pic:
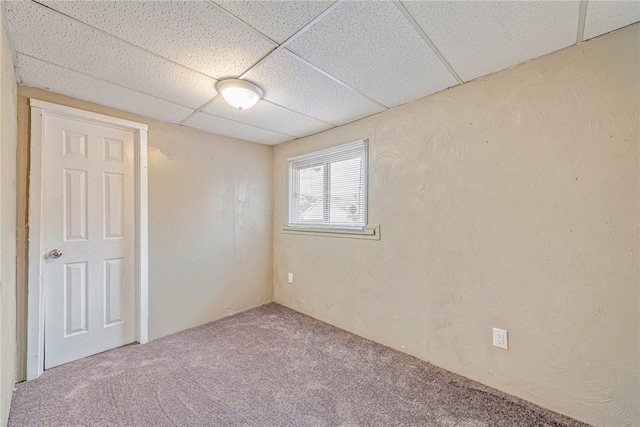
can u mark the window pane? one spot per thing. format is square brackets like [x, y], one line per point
[328, 188]
[311, 193]
[346, 184]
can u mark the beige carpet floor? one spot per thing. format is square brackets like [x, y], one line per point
[268, 366]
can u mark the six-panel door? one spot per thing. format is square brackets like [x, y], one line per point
[90, 219]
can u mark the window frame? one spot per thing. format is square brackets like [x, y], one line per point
[341, 229]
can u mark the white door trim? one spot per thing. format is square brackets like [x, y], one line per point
[35, 301]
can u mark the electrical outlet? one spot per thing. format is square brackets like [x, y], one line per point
[500, 338]
[290, 279]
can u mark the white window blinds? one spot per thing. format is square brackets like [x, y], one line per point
[328, 188]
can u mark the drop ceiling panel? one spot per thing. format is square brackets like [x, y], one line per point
[605, 16]
[289, 82]
[160, 59]
[267, 115]
[221, 126]
[373, 48]
[276, 19]
[193, 33]
[479, 38]
[42, 33]
[44, 75]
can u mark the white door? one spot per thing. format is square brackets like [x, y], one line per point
[89, 239]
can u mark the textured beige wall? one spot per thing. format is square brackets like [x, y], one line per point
[209, 227]
[8, 139]
[511, 201]
[209, 222]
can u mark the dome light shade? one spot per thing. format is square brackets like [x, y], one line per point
[240, 94]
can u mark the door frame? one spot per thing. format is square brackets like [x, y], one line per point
[36, 252]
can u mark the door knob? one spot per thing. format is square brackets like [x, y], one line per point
[55, 253]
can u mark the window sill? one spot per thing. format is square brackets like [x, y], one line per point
[371, 232]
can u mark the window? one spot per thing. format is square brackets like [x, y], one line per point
[328, 188]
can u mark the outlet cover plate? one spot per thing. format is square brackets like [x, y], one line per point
[290, 278]
[500, 338]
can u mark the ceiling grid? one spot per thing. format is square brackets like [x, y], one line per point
[71, 18]
[321, 64]
[268, 55]
[427, 40]
[285, 43]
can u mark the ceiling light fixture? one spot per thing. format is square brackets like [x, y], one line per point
[240, 94]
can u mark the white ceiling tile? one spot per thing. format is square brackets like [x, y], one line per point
[605, 16]
[221, 126]
[278, 20]
[193, 33]
[478, 38]
[44, 75]
[159, 58]
[269, 116]
[47, 35]
[373, 48]
[289, 82]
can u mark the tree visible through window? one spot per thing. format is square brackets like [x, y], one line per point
[328, 188]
